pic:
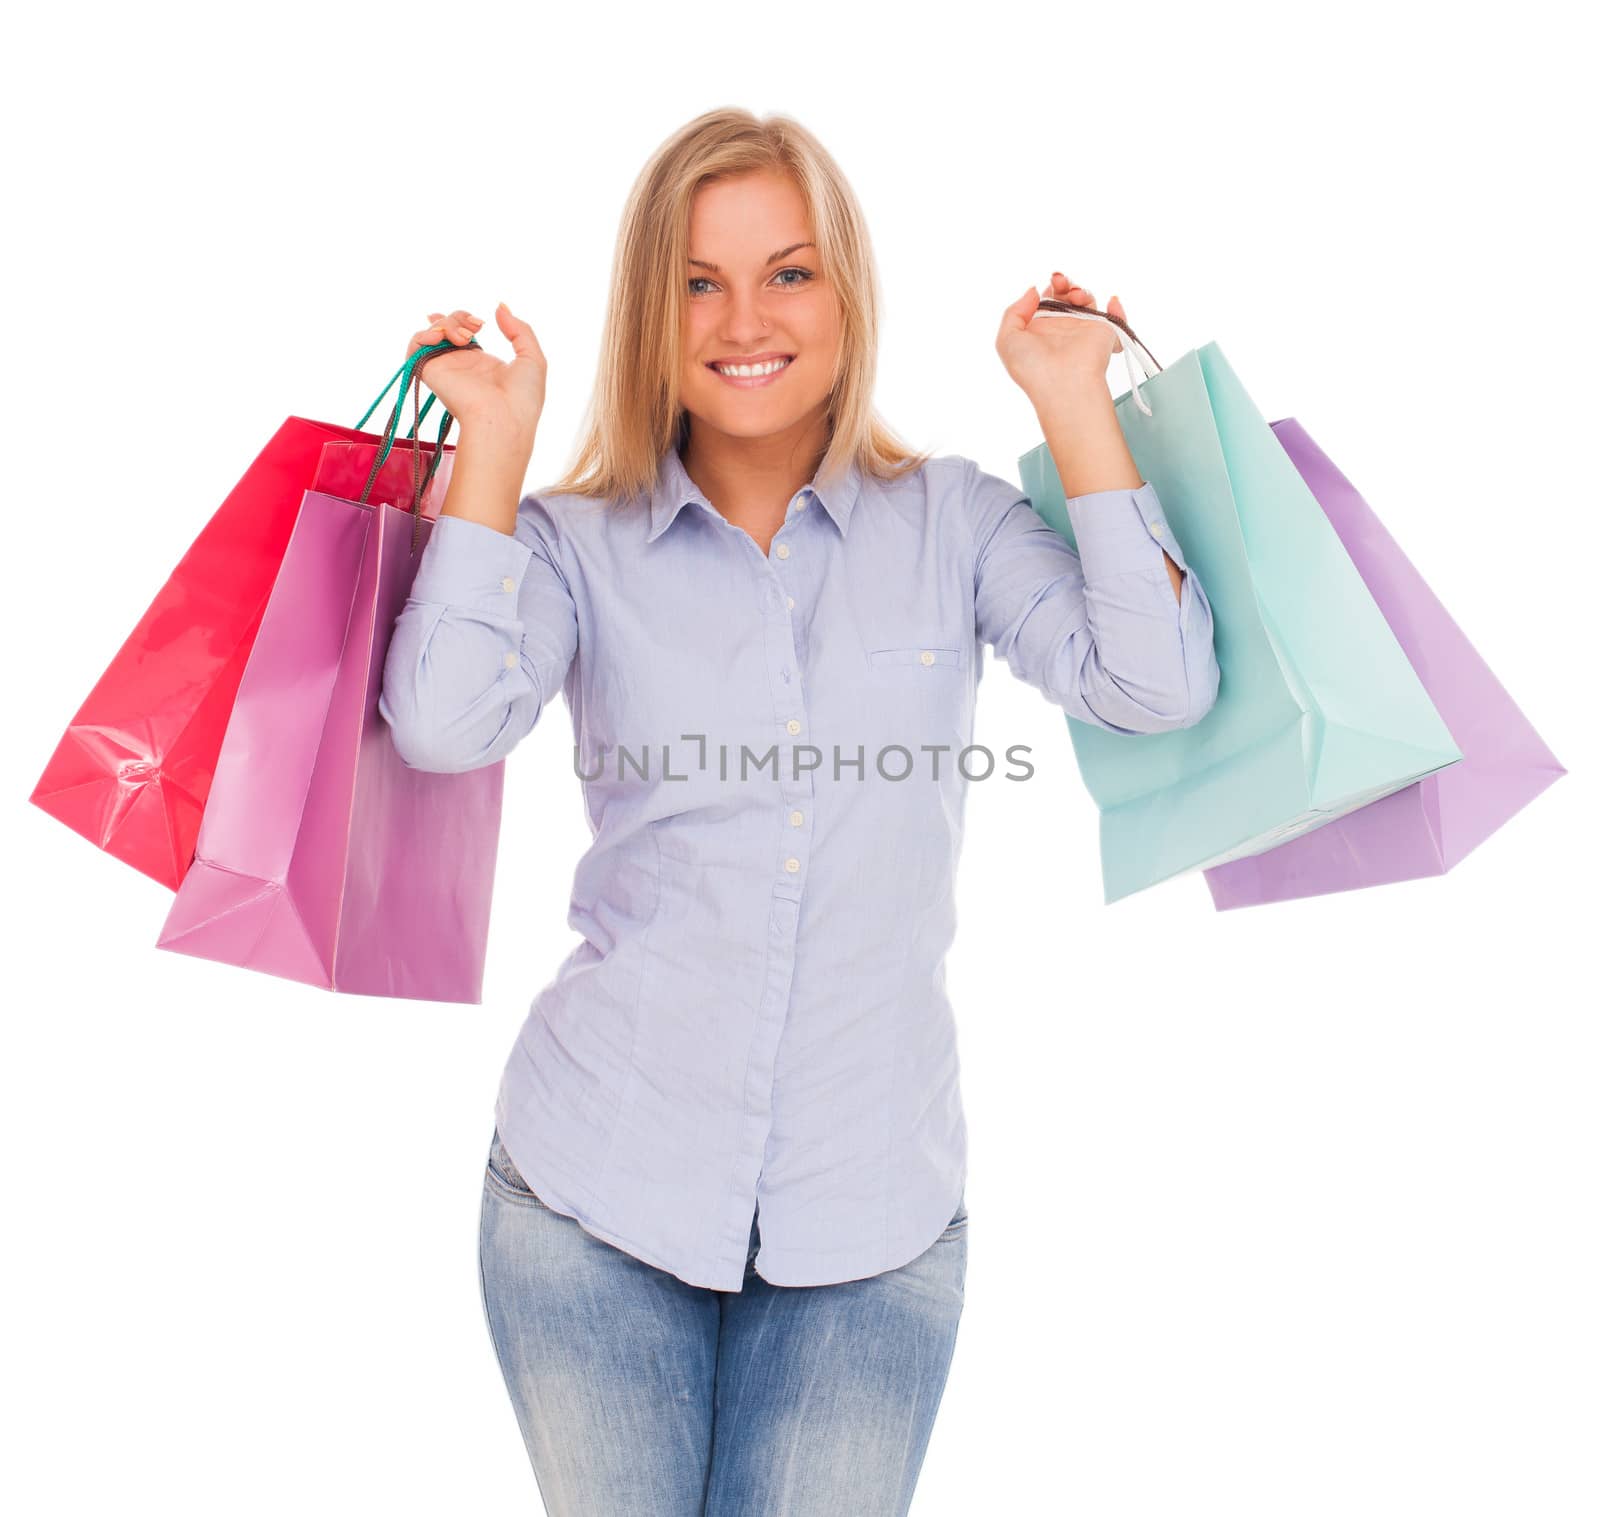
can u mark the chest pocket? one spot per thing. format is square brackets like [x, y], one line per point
[918, 658]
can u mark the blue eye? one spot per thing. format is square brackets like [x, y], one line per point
[805, 276]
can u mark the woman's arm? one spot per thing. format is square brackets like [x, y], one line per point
[1094, 629]
[1089, 451]
[489, 629]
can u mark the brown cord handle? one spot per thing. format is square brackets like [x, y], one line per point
[1050, 303]
[419, 482]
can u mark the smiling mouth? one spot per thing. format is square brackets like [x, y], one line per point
[754, 376]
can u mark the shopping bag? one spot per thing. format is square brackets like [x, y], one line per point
[321, 856]
[1430, 826]
[1318, 711]
[132, 771]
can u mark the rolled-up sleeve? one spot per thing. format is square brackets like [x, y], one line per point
[483, 643]
[1098, 630]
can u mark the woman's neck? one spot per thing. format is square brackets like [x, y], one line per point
[751, 481]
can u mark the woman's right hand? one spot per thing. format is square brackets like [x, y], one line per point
[477, 388]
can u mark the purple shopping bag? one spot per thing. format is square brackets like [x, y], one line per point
[321, 856]
[1429, 827]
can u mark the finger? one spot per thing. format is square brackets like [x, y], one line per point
[1114, 308]
[459, 326]
[1064, 289]
[523, 343]
[1019, 313]
[428, 337]
[445, 328]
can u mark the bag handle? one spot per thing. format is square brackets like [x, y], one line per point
[410, 374]
[397, 373]
[1050, 306]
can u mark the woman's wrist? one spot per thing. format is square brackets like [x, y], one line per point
[487, 471]
[1069, 399]
[492, 431]
[1085, 440]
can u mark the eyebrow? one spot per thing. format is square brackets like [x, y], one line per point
[794, 247]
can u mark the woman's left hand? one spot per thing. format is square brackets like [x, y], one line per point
[1056, 357]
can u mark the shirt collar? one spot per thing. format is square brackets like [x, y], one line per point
[673, 490]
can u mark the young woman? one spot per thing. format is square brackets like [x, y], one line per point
[723, 1238]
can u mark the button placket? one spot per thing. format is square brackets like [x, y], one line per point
[786, 684]
[788, 695]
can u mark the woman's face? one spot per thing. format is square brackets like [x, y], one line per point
[756, 292]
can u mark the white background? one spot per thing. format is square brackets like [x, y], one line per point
[1281, 1210]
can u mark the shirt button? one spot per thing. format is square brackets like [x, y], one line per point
[792, 865]
[927, 656]
[789, 601]
[800, 504]
[783, 550]
[511, 661]
[794, 726]
[796, 817]
[1155, 529]
[508, 584]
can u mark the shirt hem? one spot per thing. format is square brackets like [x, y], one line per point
[557, 1197]
[799, 1266]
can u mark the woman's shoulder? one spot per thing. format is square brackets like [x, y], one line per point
[565, 505]
[560, 515]
[930, 471]
[936, 485]
[958, 492]
[957, 475]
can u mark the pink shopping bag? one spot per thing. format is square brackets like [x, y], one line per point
[1429, 827]
[321, 856]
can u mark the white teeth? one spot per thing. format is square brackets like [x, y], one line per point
[749, 370]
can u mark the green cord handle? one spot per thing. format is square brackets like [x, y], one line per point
[409, 363]
[410, 375]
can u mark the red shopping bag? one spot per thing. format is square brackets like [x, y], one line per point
[133, 769]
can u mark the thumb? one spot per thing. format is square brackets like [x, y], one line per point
[523, 343]
[1020, 312]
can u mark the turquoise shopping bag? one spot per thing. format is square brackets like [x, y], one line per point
[1318, 712]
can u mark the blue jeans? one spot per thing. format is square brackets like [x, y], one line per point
[639, 1395]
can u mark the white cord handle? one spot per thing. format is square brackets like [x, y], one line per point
[1149, 367]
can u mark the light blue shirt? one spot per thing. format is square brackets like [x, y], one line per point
[756, 1011]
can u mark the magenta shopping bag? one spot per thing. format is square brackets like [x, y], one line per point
[1429, 827]
[321, 856]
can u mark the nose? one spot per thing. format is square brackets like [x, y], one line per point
[746, 322]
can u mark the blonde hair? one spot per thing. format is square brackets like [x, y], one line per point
[635, 412]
